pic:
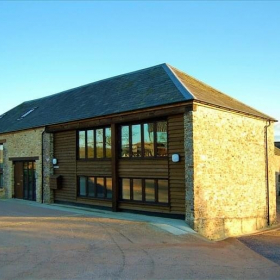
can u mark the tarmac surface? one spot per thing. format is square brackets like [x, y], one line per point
[57, 242]
[266, 243]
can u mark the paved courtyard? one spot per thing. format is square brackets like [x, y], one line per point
[57, 242]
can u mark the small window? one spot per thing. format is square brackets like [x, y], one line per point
[126, 189]
[82, 144]
[144, 140]
[145, 190]
[95, 187]
[27, 113]
[94, 143]
[82, 189]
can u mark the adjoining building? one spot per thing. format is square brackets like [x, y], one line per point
[155, 141]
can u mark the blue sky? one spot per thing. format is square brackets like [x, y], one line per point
[47, 47]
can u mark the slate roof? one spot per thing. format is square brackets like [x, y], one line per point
[151, 87]
[277, 144]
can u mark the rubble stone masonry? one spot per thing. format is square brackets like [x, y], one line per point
[24, 144]
[226, 182]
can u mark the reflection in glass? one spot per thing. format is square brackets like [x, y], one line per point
[83, 188]
[30, 181]
[125, 188]
[1, 156]
[161, 139]
[100, 188]
[109, 187]
[82, 144]
[99, 143]
[137, 189]
[150, 190]
[108, 142]
[136, 140]
[90, 144]
[91, 187]
[125, 141]
[148, 139]
[163, 191]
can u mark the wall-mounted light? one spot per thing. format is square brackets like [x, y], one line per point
[54, 161]
[175, 158]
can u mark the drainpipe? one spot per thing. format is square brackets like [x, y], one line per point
[267, 171]
[42, 156]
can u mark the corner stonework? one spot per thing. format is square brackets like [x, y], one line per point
[48, 196]
[189, 167]
[225, 173]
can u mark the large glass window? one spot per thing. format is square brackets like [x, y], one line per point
[142, 140]
[145, 190]
[94, 143]
[82, 144]
[1, 165]
[95, 187]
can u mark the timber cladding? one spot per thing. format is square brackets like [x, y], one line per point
[176, 171]
[70, 168]
[65, 152]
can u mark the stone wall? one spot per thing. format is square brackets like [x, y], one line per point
[48, 195]
[277, 170]
[22, 144]
[226, 189]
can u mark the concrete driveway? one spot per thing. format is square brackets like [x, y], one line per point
[56, 242]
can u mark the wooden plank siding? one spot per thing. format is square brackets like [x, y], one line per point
[161, 168]
[143, 168]
[65, 152]
[176, 170]
[99, 168]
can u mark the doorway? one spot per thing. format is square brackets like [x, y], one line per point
[25, 181]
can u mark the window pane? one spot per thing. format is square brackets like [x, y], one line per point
[108, 142]
[125, 188]
[149, 140]
[91, 187]
[136, 140]
[162, 139]
[99, 143]
[150, 190]
[90, 143]
[125, 141]
[83, 189]
[109, 187]
[82, 144]
[163, 191]
[1, 156]
[100, 187]
[1, 180]
[137, 189]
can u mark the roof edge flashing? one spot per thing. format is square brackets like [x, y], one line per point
[178, 83]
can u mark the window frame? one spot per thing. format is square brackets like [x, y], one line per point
[104, 146]
[95, 197]
[143, 201]
[142, 137]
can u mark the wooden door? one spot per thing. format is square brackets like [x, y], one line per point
[18, 179]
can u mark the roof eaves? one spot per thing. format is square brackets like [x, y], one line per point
[177, 82]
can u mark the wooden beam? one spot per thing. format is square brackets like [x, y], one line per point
[115, 183]
[23, 158]
[123, 117]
